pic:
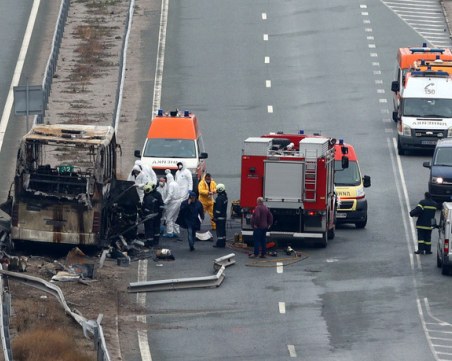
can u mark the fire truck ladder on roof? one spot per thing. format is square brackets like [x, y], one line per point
[310, 176]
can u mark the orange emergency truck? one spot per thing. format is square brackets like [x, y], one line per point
[174, 137]
[406, 57]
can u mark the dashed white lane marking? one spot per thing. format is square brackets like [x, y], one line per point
[388, 130]
[268, 83]
[382, 100]
[366, 21]
[362, 6]
[378, 81]
[292, 352]
[373, 55]
[375, 63]
[264, 16]
[370, 38]
[377, 72]
[371, 46]
[279, 267]
[380, 91]
[282, 307]
[364, 13]
[368, 30]
[270, 108]
[267, 60]
[265, 37]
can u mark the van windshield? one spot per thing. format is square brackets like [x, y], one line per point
[347, 177]
[170, 148]
[443, 156]
[423, 107]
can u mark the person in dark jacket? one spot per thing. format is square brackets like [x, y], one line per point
[152, 204]
[261, 221]
[190, 216]
[425, 213]
[220, 208]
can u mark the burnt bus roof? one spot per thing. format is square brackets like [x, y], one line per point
[71, 134]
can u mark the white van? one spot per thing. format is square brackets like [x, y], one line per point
[444, 253]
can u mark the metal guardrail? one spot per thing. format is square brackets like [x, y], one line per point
[93, 327]
[122, 67]
[5, 311]
[53, 57]
[179, 283]
[225, 261]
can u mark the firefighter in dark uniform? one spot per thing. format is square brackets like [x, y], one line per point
[152, 204]
[425, 213]
[220, 208]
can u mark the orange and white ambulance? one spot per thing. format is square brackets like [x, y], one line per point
[174, 137]
[406, 58]
[349, 186]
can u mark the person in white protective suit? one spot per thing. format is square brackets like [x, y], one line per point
[172, 202]
[146, 169]
[140, 178]
[185, 180]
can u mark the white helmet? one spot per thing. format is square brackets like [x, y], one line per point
[149, 187]
[220, 188]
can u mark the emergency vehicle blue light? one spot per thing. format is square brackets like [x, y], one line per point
[427, 50]
[341, 141]
[431, 73]
[160, 112]
[186, 113]
[301, 131]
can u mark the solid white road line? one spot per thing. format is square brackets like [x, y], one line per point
[157, 97]
[18, 70]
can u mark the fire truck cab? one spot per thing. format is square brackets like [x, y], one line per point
[406, 57]
[294, 173]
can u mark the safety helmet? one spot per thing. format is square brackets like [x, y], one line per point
[149, 187]
[220, 188]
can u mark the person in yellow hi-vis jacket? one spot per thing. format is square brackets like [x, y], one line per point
[207, 189]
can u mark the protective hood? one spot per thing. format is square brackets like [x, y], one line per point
[137, 168]
[169, 178]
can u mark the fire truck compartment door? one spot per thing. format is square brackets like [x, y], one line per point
[283, 182]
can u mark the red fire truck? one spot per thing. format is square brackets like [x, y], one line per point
[294, 173]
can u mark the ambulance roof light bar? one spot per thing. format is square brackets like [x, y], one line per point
[424, 49]
[429, 73]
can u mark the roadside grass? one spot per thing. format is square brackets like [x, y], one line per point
[43, 344]
[41, 331]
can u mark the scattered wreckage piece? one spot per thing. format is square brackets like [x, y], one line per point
[225, 261]
[178, 283]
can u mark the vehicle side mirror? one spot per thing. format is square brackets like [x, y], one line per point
[203, 156]
[137, 153]
[344, 162]
[366, 181]
[395, 86]
[427, 164]
[395, 116]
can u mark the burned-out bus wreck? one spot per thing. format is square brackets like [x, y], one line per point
[65, 188]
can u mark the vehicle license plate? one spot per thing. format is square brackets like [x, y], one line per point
[428, 142]
[341, 215]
